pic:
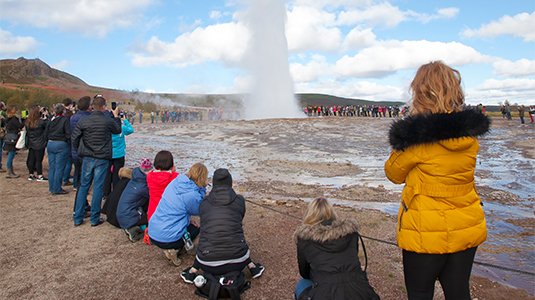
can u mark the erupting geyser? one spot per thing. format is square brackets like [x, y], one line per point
[272, 94]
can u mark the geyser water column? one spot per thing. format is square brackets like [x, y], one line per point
[272, 94]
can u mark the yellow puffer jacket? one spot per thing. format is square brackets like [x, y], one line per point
[435, 156]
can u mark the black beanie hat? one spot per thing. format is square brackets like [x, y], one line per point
[222, 177]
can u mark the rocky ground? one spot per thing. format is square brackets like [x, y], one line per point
[45, 257]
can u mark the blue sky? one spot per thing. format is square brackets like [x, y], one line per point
[349, 48]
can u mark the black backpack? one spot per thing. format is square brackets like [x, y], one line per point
[230, 285]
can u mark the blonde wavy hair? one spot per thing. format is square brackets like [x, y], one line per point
[318, 211]
[436, 88]
[198, 173]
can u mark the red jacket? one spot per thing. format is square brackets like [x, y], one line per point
[157, 181]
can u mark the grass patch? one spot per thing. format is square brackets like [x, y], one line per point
[93, 91]
[41, 78]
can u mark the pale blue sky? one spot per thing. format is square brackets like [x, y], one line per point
[349, 48]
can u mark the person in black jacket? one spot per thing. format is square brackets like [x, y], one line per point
[110, 205]
[222, 247]
[36, 124]
[92, 140]
[327, 254]
[13, 127]
[58, 132]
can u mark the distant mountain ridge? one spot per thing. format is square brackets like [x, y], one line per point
[35, 71]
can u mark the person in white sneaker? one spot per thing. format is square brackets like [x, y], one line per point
[222, 247]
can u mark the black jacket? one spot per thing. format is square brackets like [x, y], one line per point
[59, 129]
[13, 125]
[221, 236]
[92, 135]
[36, 137]
[110, 205]
[327, 254]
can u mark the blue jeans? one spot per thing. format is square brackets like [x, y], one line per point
[302, 285]
[68, 168]
[58, 152]
[10, 157]
[93, 171]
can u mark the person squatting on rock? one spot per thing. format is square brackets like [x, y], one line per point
[58, 132]
[172, 217]
[92, 140]
[133, 204]
[441, 220]
[327, 254]
[222, 247]
[36, 124]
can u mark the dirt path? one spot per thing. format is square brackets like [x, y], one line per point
[43, 256]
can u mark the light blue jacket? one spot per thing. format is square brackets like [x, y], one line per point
[180, 201]
[118, 141]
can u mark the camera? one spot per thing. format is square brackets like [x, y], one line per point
[113, 105]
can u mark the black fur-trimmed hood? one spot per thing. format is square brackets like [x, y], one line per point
[321, 233]
[432, 128]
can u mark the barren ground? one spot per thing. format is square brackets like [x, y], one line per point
[44, 257]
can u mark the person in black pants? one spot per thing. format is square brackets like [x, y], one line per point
[36, 142]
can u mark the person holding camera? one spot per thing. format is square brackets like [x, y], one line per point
[58, 132]
[35, 127]
[118, 154]
[441, 221]
[92, 140]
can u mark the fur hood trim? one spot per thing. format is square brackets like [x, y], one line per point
[125, 173]
[432, 128]
[320, 233]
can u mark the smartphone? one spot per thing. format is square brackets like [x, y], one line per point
[113, 105]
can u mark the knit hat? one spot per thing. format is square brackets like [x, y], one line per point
[222, 177]
[146, 165]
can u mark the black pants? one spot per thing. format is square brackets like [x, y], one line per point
[77, 162]
[35, 161]
[452, 270]
[177, 245]
[112, 177]
[221, 270]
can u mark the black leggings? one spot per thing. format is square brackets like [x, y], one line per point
[452, 270]
[223, 269]
[177, 245]
[35, 161]
[112, 177]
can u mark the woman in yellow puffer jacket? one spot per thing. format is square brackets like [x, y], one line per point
[441, 220]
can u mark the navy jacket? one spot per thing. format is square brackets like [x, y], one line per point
[74, 121]
[135, 195]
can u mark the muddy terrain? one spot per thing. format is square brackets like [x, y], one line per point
[278, 165]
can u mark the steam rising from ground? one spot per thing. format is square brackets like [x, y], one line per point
[272, 94]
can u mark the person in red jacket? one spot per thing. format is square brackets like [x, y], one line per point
[157, 181]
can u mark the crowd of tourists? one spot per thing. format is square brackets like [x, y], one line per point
[434, 149]
[375, 111]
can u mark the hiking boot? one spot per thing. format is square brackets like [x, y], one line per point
[2, 170]
[257, 270]
[87, 214]
[134, 233]
[31, 177]
[172, 256]
[66, 183]
[10, 173]
[100, 221]
[188, 276]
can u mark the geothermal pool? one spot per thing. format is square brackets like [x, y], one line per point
[336, 154]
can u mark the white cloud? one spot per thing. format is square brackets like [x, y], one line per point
[359, 38]
[387, 57]
[90, 17]
[309, 28]
[314, 69]
[443, 13]
[10, 45]
[507, 68]
[215, 15]
[60, 65]
[382, 14]
[224, 43]
[359, 89]
[492, 92]
[521, 25]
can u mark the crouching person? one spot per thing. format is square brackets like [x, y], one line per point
[134, 202]
[171, 220]
[327, 254]
[222, 247]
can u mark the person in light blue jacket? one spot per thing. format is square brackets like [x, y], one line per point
[118, 154]
[172, 218]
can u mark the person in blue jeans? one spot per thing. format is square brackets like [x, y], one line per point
[58, 132]
[92, 140]
[2, 124]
